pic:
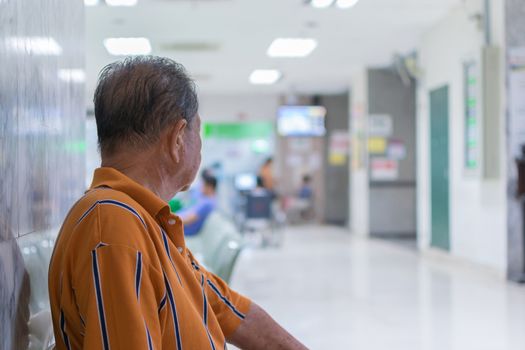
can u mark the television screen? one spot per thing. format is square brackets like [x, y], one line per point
[301, 121]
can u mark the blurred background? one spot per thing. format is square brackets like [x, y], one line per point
[363, 161]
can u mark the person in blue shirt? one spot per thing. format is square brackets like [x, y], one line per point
[305, 192]
[194, 216]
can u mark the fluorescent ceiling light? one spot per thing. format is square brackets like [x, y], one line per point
[265, 76]
[34, 45]
[127, 46]
[321, 3]
[121, 2]
[72, 75]
[91, 2]
[290, 47]
[344, 4]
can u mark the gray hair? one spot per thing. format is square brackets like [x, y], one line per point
[138, 97]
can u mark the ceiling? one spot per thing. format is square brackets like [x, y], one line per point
[222, 41]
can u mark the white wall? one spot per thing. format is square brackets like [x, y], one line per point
[359, 191]
[477, 207]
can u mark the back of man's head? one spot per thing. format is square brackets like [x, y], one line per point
[137, 98]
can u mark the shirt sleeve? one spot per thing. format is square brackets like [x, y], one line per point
[118, 305]
[229, 307]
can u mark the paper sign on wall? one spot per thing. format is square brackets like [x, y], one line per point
[339, 142]
[382, 169]
[337, 159]
[339, 147]
[396, 150]
[380, 125]
[376, 145]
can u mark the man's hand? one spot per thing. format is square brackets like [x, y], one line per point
[260, 331]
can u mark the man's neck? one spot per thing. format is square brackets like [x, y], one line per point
[143, 168]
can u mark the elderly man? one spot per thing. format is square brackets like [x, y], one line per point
[121, 276]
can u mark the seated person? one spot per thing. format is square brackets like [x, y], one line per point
[195, 216]
[305, 192]
[261, 190]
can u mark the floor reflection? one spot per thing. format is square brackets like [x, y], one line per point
[335, 291]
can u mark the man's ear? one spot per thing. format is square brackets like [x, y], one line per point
[176, 140]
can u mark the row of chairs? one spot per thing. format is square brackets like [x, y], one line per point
[217, 246]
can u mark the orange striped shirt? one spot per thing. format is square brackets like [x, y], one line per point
[121, 276]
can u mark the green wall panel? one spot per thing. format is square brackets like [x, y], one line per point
[439, 168]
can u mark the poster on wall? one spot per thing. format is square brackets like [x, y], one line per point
[396, 150]
[339, 142]
[382, 169]
[339, 147]
[517, 99]
[380, 125]
[377, 145]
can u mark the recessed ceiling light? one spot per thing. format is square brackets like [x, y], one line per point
[291, 47]
[121, 2]
[127, 46]
[344, 4]
[72, 75]
[321, 3]
[34, 45]
[91, 2]
[265, 76]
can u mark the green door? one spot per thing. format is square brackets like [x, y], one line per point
[439, 168]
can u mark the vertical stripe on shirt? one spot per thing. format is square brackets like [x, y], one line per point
[150, 344]
[138, 274]
[100, 302]
[226, 301]
[163, 302]
[173, 312]
[167, 247]
[82, 320]
[205, 312]
[138, 279]
[65, 338]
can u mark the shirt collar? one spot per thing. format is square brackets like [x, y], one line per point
[112, 178]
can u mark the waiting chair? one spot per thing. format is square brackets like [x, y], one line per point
[217, 246]
[260, 217]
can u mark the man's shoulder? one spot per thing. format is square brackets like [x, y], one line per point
[106, 216]
[102, 195]
[106, 204]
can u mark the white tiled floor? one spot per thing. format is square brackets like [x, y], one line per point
[333, 291]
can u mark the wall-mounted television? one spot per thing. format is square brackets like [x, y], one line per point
[301, 121]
